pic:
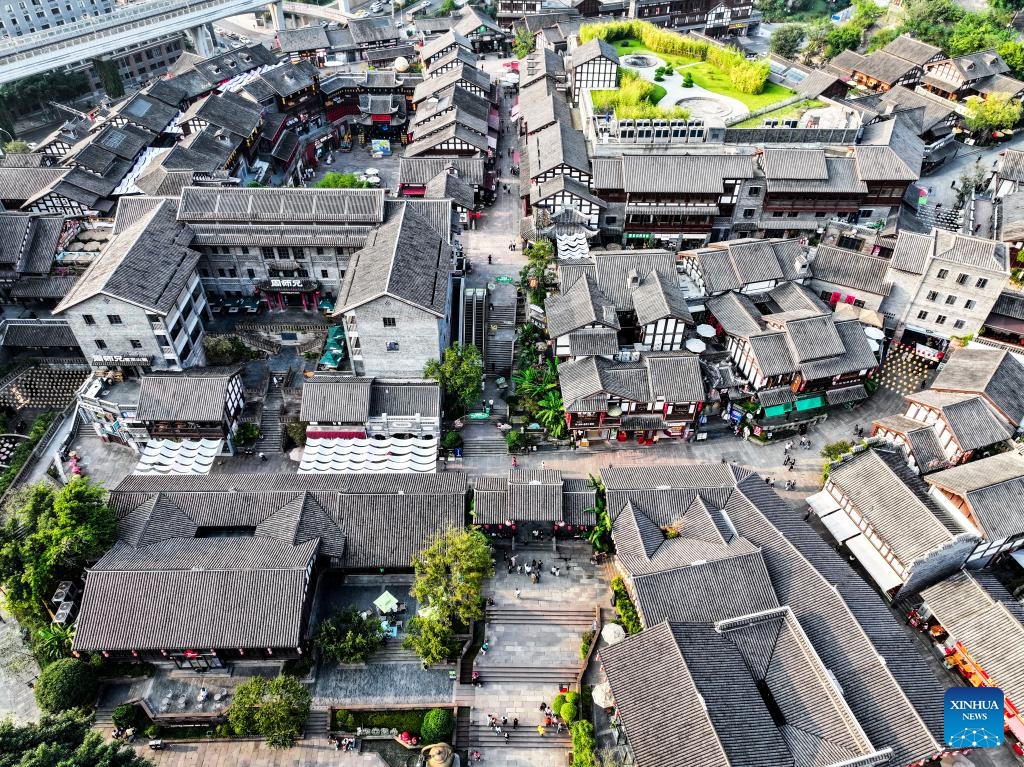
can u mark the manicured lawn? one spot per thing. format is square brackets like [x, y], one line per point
[793, 110]
[710, 77]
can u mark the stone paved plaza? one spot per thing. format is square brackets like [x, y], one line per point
[256, 754]
[17, 669]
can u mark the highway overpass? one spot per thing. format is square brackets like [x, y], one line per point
[97, 35]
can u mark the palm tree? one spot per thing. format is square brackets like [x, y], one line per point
[551, 414]
[54, 642]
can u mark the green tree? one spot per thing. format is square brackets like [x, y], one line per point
[109, 76]
[932, 21]
[524, 42]
[438, 724]
[334, 180]
[833, 451]
[53, 642]
[347, 637]
[996, 111]
[568, 712]
[50, 536]
[17, 147]
[226, 350]
[787, 39]
[1012, 53]
[601, 536]
[433, 639]
[246, 434]
[275, 709]
[460, 373]
[882, 38]
[538, 272]
[845, 37]
[125, 715]
[447, 8]
[583, 744]
[551, 415]
[65, 684]
[450, 573]
[979, 31]
[63, 740]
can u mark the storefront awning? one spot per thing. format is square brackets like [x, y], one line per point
[643, 422]
[1006, 324]
[822, 503]
[881, 572]
[840, 526]
[776, 396]
[846, 394]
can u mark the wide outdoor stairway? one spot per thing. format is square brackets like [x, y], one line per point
[271, 433]
[554, 624]
[318, 724]
[482, 736]
[490, 442]
[393, 652]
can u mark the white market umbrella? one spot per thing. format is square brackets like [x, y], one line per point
[705, 331]
[696, 346]
[874, 334]
[296, 454]
[425, 611]
[873, 345]
[602, 694]
[386, 602]
[613, 633]
[371, 172]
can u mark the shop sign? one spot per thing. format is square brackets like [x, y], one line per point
[286, 284]
[117, 359]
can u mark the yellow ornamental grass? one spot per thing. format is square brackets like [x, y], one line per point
[634, 100]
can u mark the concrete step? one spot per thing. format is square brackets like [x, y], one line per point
[393, 652]
[531, 674]
[482, 736]
[563, 617]
[318, 724]
[490, 445]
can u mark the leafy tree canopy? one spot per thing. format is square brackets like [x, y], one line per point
[275, 709]
[433, 639]
[65, 684]
[460, 373]
[787, 39]
[347, 637]
[334, 180]
[524, 43]
[450, 574]
[992, 113]
[16, 147]
[63, 740]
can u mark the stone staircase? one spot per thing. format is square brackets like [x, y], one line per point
[271, 431]
[103, 720]
[499, 346]
[462, 727]
[490, 442]
[482, 736]
[573, 620]
[318, 724]
[393, 653]
[581, 619]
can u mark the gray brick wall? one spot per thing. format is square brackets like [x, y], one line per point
[938, 564]
[420, 336]
[134, 326]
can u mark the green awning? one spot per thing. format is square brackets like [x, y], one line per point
[335, 331]
[809, 403]
[776, 410]
[251, 303]
[330, 360]
[326, 305]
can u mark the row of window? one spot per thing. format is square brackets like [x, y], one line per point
[970, 303]
[287, 273]
[135, 342]
[962, 278]
[940, 319]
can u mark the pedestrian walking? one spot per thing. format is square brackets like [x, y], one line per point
[772, 484]
[518, 594]
[542, 464]
[540, 730]
[513, 560]
[505, 736]
[263, 457]
[515, 723]
[767, 480]
[504, 721]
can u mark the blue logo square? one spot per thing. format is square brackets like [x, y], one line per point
[974, 717]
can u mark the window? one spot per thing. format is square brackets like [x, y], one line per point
[962, 278]
[792, 214]
[392, 346]
[88, 319]
[154, 318]
[232, 273]
[932, 295]
[611, 220]
[250, 273]
[940, 320]
[161, 340]
[282, 252]
[245, 251]
[922, 315]
[755, 191]
[136, 343]
[204, 272]
[221, 273]
[970, 303]
[958, 324]
[389, 322]
[982, 282]
[101, 344]
[950, 300]
[323, 274]
[298, 254]
[943, 274]
[114, 319]
[777, 214]
[866, 213]
[319, 251]
[267, 252]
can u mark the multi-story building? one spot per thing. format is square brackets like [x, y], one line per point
[395, 302]
[944, 284]
[747, 265]
[901, 62]
[346, 407]
[712, 17]
[140, 305]
[593, 66]
[973, 74]
[193, 406]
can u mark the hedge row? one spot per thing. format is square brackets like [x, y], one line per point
[624, 607]
[745, 76]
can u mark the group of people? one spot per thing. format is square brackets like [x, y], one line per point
[342, 744]
[532, 569]
[499, 727]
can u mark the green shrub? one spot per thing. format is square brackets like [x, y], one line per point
[624, 606]
[569, 713]
[582, 744]
[344, 721]
[152, 731]
[659, 78]
[573, 699]
[437, 726]
[298, 667]
[451, 440]
[635, 99]
[66, 684]
[124, 716]
[347, 637]
[223, 730]
[558, 702]
[586, 642]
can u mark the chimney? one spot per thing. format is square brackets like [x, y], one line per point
[633, 279]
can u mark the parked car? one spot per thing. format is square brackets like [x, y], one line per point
[376, 8]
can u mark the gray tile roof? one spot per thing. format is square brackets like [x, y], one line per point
[581, 305]
[842, 177]
[147, 264]
[463, 73]
[996, 373]
[418, 171]
[885, 67]
[857, 355]
[184, 593]
[405, 398]
[732, 264]
[433, 47]
[845, 62]
[556, 145]
[816, 83]
[229, 111]
[613, 272]
[911, 252]
[896, 504]
[970, 251]
[675, 376]
[681, 173]
[578, 500]
[1010, 304]
[449, 185]
[20, 184]
[405, 258]
[980, 613]
[535, 496]
[29, 336]
[916, 51]
[593, 342]
[657, 297]
[287, 79]
[303, 39]
[336, 400]
[795, 164]
[543, 64]
[994, 490]
[588, 383]
[457, 55]
[593, 49]
[892, 692]
[474, 21]
[970, 418]
[253, 205]
[851, 269]
[199, 398]
[736, 313]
